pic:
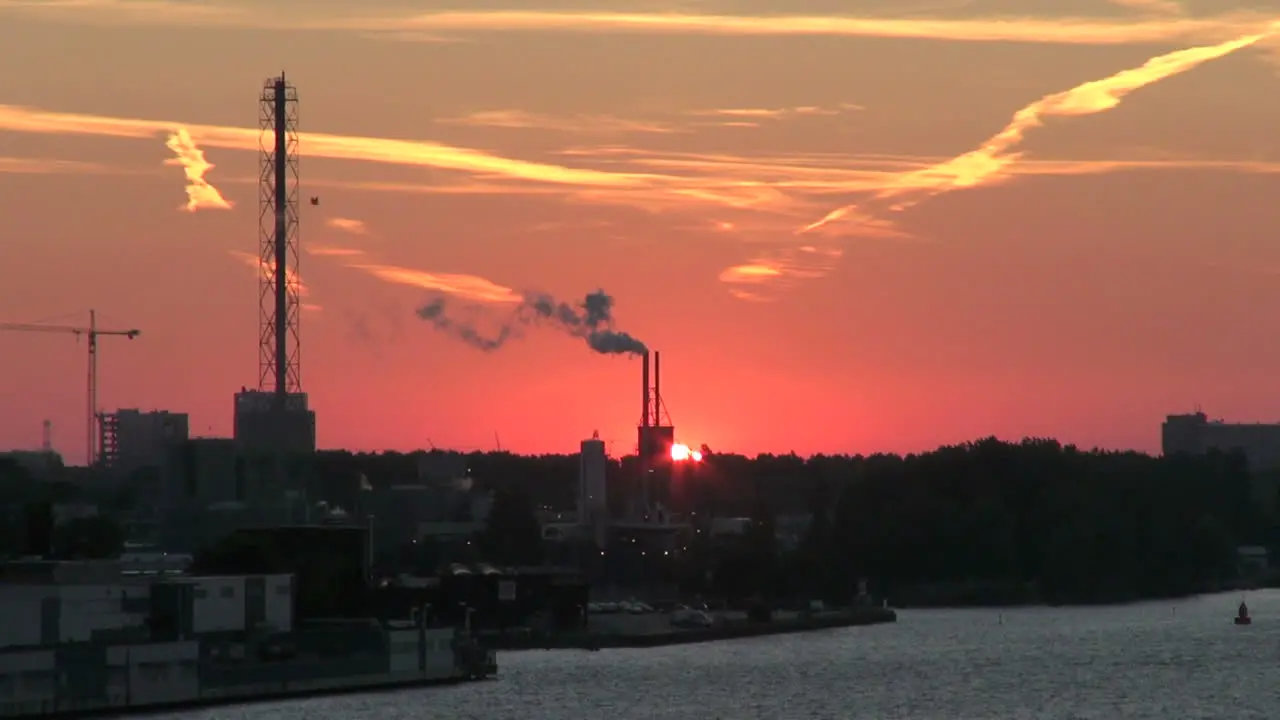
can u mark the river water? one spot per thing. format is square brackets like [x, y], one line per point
[1176, 660]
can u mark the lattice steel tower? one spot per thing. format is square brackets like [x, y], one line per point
[279, 292]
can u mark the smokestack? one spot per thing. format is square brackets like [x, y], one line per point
[657, 392]
[282, 240]
[644, 408]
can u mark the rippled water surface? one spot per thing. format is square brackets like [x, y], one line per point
[1178, 660]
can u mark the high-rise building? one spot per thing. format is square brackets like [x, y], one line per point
[134, 439]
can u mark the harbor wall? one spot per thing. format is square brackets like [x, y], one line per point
[661, 633]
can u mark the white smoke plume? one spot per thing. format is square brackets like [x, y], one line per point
[200, 194]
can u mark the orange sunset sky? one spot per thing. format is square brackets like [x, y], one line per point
[848, 225]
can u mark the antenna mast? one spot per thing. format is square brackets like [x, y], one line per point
[279, 296]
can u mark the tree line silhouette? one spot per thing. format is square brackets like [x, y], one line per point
[986, 522]
[979, 523]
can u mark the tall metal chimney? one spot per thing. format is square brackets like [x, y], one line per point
[657, 392]
[644, 407]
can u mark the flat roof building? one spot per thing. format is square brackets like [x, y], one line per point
[1196, 434]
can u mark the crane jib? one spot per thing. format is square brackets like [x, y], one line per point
[92, 332]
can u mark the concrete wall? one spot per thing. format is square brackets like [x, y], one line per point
[279, 602]
[86, 609]
[218, 604]
[403, 645]
[20, 607]
[35, 615]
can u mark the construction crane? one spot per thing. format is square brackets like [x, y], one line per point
[92, 332]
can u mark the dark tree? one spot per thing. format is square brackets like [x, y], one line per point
[238, 554]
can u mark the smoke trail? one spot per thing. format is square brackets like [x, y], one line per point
[200, 194]
[590, 320]
[434, 313]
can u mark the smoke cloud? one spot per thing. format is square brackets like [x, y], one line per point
[591, 320]
[200, 194]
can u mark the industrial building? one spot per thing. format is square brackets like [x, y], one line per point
[85, 631]
[655, 437]
[1196, 434]
[261, 428]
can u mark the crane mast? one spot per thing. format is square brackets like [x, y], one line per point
[92, 333]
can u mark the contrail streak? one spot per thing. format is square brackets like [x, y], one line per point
[988, 163]
[200, 194]
[431, 25]
[336, 147]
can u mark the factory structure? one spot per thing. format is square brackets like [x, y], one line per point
[1196, 434]
[625, 544]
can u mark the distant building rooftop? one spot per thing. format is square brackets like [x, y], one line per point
[1195, 434]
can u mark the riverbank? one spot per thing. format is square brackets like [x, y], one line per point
[655, 630]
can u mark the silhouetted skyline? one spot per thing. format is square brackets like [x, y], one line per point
[884, 230]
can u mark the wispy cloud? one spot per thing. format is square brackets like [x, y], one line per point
[332, 250]
[266, 270]
[137, 12]
[582, 124]
[760, 279]
[777, 113]
[200, 194]
[54, 166]
[1155, 7]
[415, 37]
[468, 287]
[989, 163]
[814, 176]
[590, 124]
[588, 184]
[335, 147]
[795, 185]
[1040, 30]
[347, 225]
[435, 26]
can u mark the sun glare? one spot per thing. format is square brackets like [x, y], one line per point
[681, 453]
